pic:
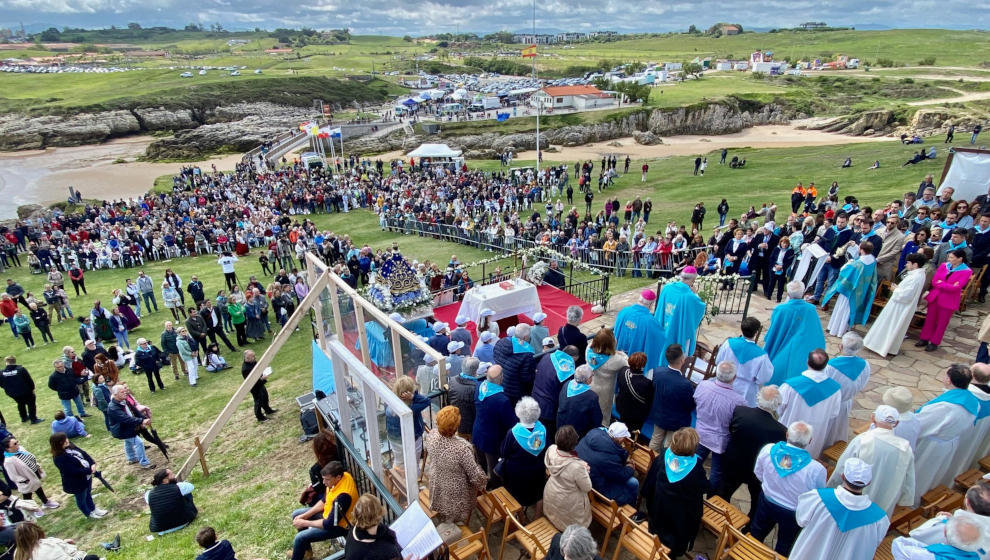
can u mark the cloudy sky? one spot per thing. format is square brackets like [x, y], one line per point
[421, 17]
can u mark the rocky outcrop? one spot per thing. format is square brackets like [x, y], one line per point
[647, 138]
[21, 133]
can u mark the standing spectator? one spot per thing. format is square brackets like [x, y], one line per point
[196, 327]
[635, 393]
[146, 287]
[607, 363]
[41, 320]
[236, 311]
[196, 291]
[611, 474]
[77, 276]
[463, 388]
[943, 299]
[173, 302]
[950, 134]
[697, 164]
[226, 262]
[494, 416]
[149, 359]
[715, 401]
[522, 468]
[515, 355]
[976, 132]
[577, 404]
[8, 307]
[565, 496]
[673, 492]
[107, 368]
[642, 179]
[66, 384]
[673, 398]
[23, 326]
[258, 391]
[214, 317]
[77, 469]
[188, 353]
[170, 348]
[698, 216]
[18, 384]
[647, 208]
[119, 328]
[570, 334]
[24, 471]
[455, 477]
[125, 425]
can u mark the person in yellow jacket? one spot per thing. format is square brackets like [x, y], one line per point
[335, 512]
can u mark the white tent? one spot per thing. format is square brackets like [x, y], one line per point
[968, 172]
[435, 151]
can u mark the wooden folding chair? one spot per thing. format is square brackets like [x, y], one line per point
[641, 543]
[834, 451]
[487, 506]
[605, 512]
[473, 545]
[968, 479]
[718, 513]
[396, 487]
[642, 457]
[533, 537]
[737, 546]
[884, 551]
[972, 289]
[984, 464]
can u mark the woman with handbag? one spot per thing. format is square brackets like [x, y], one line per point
[635, 394]
[77, 469]
[24, 471]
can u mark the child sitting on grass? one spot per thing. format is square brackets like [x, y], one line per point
[214, 361]
[213, 550]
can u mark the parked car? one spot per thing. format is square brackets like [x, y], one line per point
[185, 75]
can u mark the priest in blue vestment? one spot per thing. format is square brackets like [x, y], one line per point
[636, 330]
[856, 287]
[680, 311]
[795, 330]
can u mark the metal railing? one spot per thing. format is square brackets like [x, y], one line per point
[730, 298]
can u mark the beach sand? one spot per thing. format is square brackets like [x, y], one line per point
[44, 176]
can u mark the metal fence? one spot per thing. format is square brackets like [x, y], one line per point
[729, 298]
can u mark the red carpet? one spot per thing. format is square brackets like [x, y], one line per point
[553, 301]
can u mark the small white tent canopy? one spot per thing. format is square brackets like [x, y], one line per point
[967, 171]
[435, 151]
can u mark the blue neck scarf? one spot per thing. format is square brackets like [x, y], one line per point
[574, 388]
[850, 366]
[960, 397]
[962, 266]
[847, 519]
[519, 346]
[533, 441]
[979, 230]
[948, 552]
[563, 363]
[466, 376]
[744, 349]
[594, 359]
[787, 459]
[677, 466]
[487, 389]
[954, 247]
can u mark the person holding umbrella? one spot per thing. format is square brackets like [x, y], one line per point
[77, 469]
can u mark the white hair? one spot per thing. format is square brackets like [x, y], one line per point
[799, 434]
[768, 398]
[576, 543]
[527, 410]
[688, 277]
[522, 331]
[964, 533]
[583, 373]
[644, 302]
[575, 314]
[470, 366]
[795, 289]
[117, 389]
[725, 372]
[852, 343]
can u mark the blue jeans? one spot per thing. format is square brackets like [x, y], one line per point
[84, 500]
[67, 405]
[303, 539]
[721, 219]
[626, 494]
[715, 476]
[134, 450]
[825, 279]
[769, 514]
[122, 339]
[149, 297]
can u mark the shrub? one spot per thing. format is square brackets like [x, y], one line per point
[885, 63]
[928, 61]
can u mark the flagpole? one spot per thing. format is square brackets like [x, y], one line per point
[539, 103]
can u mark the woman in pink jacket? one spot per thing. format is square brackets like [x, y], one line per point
[943, 298]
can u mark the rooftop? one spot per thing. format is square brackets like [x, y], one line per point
[555, 91]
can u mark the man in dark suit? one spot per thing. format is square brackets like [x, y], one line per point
[778, 266]
[673, 399]
[749, 430]
[764, 242]
[214, 324]
[835, 238]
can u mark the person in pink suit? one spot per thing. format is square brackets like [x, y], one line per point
[943, 298]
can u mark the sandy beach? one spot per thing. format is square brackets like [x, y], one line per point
[44, 176]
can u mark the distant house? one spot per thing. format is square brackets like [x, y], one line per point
[535, 39]
[606, 34]
[279, 51]
[730, 30]
[235, 42]
[578, 98]
[571, 37]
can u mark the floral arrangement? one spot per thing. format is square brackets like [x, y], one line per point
[536, 272]
[397, 287]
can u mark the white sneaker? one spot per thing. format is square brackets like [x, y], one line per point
[51, 504]
[100, 512]
[39, 514]
[96, 514]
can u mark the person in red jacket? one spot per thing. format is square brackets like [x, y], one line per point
[8, 307]
[76, 275]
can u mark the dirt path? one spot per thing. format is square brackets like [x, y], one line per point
[963, 97]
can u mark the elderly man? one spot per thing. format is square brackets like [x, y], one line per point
[812, 397]
[786, 471]
[485, 350]
[750, 429]
[680, 311]
[673, 398]
[636, 330]
[553, 370]
[886, 453]
[461, 334]
[170, 348]
[715, 400]
[753, 366]
[494, 416]
[538, 331]
[957, 240]
[149, 359]
[455, 359]
[976, 502]
[570, 334]
[515, 355]
[842, 522]
[610, 472]
[578, 403]
[795, 330]
[462, 390]
[259, 394]
[890, 249]
[439, 340]
[852, 373]
[965, 538]
[976, 444]
[124, 424]
[944, 420]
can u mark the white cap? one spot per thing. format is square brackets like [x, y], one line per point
[461, 320]
[483, 367]
[618, 430]
[857, 472]
[887, 414]
[439, 327]
[539, 317]
[486, 312]
[511, 331]
[549, 341]
[396, 317]
[454, 345]
[429, 359]
[487, 336]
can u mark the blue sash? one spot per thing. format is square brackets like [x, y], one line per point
[677, 466]
[518, 346]
[466, 376]
[812, 392]
[563, 363]
[487, 389]
[532, 441]
[960, 397]
[574, 388]
[962, 266]
[787, 459]
[845, 518]
[948, 552]
[984, 409]
[745, 350]
[594, 359]
[850, 366]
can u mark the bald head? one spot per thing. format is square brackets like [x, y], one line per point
[981, 373]
[494, 374]
[964, 533]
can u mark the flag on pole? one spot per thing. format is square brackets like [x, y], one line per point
[306, 126]
[335, 132]
[529, 52]
[502, 116]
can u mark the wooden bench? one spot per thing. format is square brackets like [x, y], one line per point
[732, 544]
[985, 464]
[718, 513]
[534, 537]
[884, 551]
[968, 479]
[641, 543]
[834, 451]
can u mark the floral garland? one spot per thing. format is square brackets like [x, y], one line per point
[536, 272]
[544, 252]
[707, 289]
[381, 295]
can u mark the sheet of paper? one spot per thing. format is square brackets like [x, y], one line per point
[415, 533]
